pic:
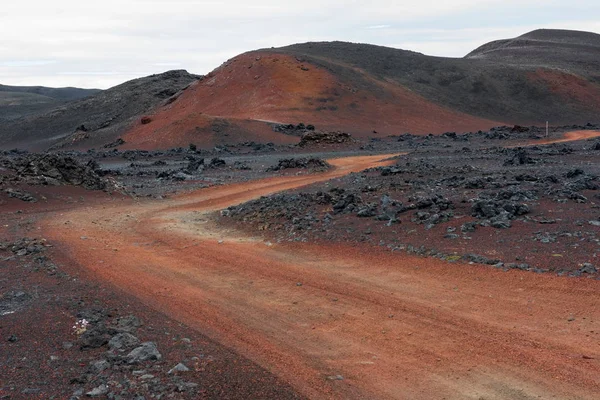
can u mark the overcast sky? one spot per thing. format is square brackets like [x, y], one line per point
[106, 42]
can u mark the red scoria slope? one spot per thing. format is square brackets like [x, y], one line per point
[259, 87]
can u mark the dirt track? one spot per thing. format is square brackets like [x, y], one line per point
[571, 136]
[393, 326]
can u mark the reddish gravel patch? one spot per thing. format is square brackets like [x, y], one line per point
[341, 321]
[39, 352]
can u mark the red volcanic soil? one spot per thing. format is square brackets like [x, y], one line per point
[176, 126]
[44, 360]
[571, 89]
[344, 321]
[260, 86]
[568, 137]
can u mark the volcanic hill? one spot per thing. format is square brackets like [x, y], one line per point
[365, 90]
[372, 90]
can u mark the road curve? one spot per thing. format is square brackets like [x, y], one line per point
[567, 137]
[341, 321]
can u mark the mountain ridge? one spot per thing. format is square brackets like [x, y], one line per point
[366, 90]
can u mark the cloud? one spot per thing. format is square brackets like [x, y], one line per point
[111, 41]
[379, 26]
[167, 64]
[26, 63]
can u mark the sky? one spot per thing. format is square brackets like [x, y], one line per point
[99, 44]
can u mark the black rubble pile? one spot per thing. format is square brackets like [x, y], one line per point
[518, 156]
[29, 253]
[431, 210]
[500, 208]
[293, 130]
[313, 164]
[52, 169]
[216, 163]
[318, 137]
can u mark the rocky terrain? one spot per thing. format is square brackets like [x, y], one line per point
[532, 208]
[78, 236]
[324, 220]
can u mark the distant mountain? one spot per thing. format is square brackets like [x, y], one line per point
[97, 118]
[20, 101]
[67, 93]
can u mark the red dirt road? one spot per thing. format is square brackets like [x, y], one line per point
[573, 136]
[392, 325]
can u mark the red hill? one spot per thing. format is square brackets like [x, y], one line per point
[274, 87]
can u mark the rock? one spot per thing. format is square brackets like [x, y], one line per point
[194, 165]
[21, 195]
[519, 157]
[145, 120]
[94, 338]
[128, 323]
[178, 368]
[369, 211]
[500, 223]
[147, 351]
[217, 163]
[468, 227]
[98, 391]
[123, 341]
[116, 143]
[98, 366]
[594, 223]
[335, 378]
[12, 339]
[587, 268]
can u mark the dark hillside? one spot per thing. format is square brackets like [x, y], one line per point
[67, 93]
[573, 51]
[100, 116]
[494, 88]
[21, 101]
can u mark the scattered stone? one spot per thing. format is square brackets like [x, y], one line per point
[147, 351]
[128, 323]
[587, 268]
[123, 341]
[178, 368]
[21, 195]
[98, 391]
[98, 366]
